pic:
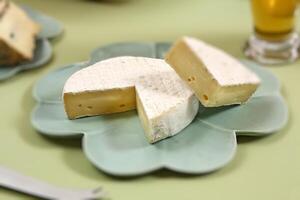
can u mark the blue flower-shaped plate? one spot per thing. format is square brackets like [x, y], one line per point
[116, 143]
[50, 28]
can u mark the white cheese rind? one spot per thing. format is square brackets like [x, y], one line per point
[165, 104]
[225, 69]
[113, 73]
[216, 77]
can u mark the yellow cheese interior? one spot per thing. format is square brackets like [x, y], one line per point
[143, 118]
[99, 102]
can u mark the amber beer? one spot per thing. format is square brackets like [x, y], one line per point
[273, 19]
[274, 39]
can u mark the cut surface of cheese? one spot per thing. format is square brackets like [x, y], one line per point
[216, 78]
[17, 34]
[164, 102]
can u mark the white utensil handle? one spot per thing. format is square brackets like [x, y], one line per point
[16, 181]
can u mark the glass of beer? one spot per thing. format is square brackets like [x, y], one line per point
[274, 40]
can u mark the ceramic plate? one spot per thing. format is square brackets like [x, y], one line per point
[50, 28]
[116, 143]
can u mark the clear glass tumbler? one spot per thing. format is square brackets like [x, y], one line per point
[274, 40]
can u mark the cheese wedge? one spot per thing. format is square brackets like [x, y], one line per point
[216, 78]
[17, 34]
[164, 102]
[165, 105]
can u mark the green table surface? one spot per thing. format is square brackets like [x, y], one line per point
[264, 168]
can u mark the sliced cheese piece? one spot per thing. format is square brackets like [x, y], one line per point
[17, 34]
[165, 103]
[216, 78]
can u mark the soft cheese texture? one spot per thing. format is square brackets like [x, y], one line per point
[17, 34]
[164, 102]
[216, 78]
[165, 105]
